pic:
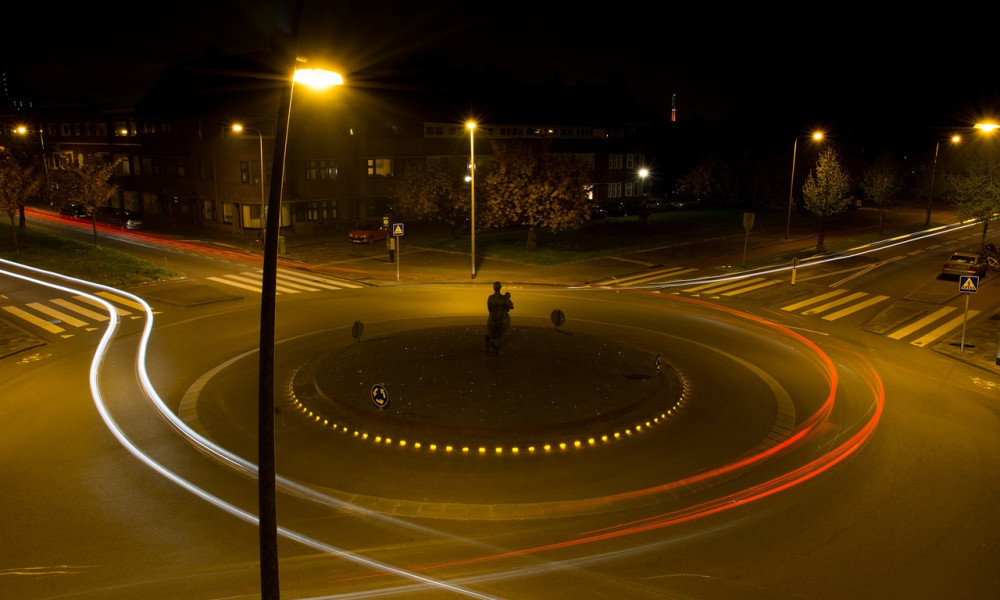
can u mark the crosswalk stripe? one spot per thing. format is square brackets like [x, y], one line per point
[58, 314]
[30, 318]
[120, 300]
[912, 327]
[259, 282]
[940, 331]
[121, 311]
[643, 277]
[834, 303]
[81, 310]
[236, 284]
[855, 308]
[810, 301]
[751, 288]
[322, 282]
[714, 287]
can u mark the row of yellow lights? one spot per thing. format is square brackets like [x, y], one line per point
[496, 450]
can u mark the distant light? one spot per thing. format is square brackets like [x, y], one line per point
[956, 138]
[471, 124]
[643, 173]
[818, 135]
[987, 127]
[237, 127]
[21, 129]
[318, 78]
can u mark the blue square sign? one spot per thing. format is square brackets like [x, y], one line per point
[968, 283]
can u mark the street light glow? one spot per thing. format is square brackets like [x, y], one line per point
[319, 79]
[987, 127]
[818, 135]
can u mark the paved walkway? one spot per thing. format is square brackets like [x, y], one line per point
[417, 265]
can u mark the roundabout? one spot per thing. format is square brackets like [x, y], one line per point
[566, 421]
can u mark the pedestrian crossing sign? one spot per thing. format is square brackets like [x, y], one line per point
[397, 229]
[968, 283]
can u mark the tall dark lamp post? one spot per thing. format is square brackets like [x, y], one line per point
[23, 130]
[791, 186]
[237, 128]
[268, 522]
[930, 195]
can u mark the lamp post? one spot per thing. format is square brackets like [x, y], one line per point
[268, 522]
[818, 135]
[23, 130]
[472, 190]
[988, 128]
[238, 128]
[930, 195]
[643, 174]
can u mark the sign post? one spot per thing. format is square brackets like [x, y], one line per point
[967, 284]
[397, 234]
[747, 226]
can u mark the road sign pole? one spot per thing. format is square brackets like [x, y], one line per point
[399, 248]
[961, 348]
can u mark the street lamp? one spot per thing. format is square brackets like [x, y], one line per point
[23, 130]
[930, 196]
[267, 518]
[472, 189]
[818, 135]
[237, 128]
[643, 174]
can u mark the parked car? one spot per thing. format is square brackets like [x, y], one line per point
[965, 263]
[125, 219]
[368, 232]
[74, 211]
[682, 203]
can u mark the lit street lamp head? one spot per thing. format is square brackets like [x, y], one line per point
[317, 78]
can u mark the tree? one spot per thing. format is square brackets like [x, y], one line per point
[880, 183]
[87, 182]
[975, 192]
[17, 184]
[827, 190]
[529, 185]
[435, 191]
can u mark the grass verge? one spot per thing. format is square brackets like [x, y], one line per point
[78, 259]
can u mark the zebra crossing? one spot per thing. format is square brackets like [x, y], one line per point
[833, 305]
[66, 317]
[288, 282]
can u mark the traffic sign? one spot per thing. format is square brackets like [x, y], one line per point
[380, 395]
[397, 229]
[968, 284]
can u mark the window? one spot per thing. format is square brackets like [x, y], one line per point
[629, 189]
[124, 167]
[615, 190]
[65, 129]
[208, 210]
[227, 212]
[614, 161]
[244, 171]
[321, 169]
[101, 130]
[433, 130]
[380, 167]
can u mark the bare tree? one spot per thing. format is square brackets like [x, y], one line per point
[87, 182]
[17, 184]
[827, 190]
[880, 183]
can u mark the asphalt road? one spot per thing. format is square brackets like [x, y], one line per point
[882, 486]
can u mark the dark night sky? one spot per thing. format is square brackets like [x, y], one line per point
[847, 69]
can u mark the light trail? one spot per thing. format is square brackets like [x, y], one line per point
[116, 430]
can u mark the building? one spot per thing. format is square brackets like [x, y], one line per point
[182, 163]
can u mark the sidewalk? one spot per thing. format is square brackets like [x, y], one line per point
[334, 256]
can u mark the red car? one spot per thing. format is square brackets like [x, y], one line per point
[368, 233]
